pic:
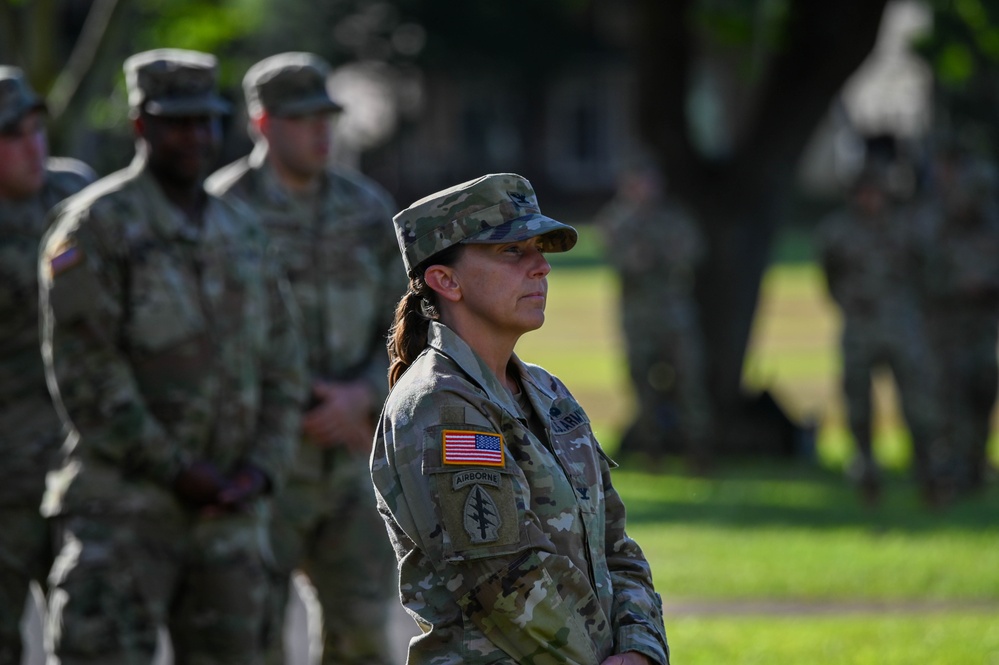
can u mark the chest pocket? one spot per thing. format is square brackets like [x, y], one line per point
[233, 287]
[351, 281]
[165, 309]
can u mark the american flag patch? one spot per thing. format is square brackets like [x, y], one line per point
[67, 257]
[461, 447]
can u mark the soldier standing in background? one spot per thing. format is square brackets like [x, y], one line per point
[173, 350]
[333, 231]
[656, 248]
[963, 302]
[31, 184]
[872, 257]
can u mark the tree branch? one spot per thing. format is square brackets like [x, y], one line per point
[83, 56]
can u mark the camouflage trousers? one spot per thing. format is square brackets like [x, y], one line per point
[965, 343]
[118, 578]
[331, 531]
[668, 372]
[907, 353]
[25, 555]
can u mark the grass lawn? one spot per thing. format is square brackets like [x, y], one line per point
[772, 562]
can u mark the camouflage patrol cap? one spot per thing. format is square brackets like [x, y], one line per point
[496, 208]
[289, 84]
[16, 97]
[173, 82]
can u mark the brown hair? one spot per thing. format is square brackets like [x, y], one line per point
[416, 309]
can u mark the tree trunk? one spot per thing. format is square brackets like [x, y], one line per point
[739, 199]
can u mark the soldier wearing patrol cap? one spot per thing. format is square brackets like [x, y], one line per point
[31, 184]
[173, 350]
[333, 231]
[872, 257]
[509, 535]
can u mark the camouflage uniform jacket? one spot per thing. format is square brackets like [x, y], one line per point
[29, 425]
[656, 249]
[962, 266]
[873, 266]
[167, 344]
[520, 559]
[342, 260]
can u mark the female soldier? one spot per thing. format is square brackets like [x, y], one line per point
[497, 497]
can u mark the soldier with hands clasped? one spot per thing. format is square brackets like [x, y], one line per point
[332, 229]
[174, 352]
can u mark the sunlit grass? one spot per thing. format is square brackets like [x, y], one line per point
[799, 533]
[959, 638]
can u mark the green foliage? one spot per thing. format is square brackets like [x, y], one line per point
[195, 24]
[753, 27]
[963, 50]
[955, 64]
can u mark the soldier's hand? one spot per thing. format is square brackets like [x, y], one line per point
[627, 658]
[342, 416]
[245, 484]
[199, 484]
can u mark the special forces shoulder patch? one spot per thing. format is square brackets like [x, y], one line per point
[468, 447]
[479, 509]
[482, 517]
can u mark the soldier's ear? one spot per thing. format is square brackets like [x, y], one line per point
[443, 281]
[259, 125]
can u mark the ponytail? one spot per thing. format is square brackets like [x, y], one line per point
[416, 309]
[408, 334]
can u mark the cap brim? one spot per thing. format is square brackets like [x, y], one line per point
[308, 106]
[14, 115]
[559, 237]
[206, 105]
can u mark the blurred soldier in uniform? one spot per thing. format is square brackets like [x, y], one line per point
[963, 302]
[656, 248]
[872, 258]
[175, 354]
[333, 231]
[31, 184]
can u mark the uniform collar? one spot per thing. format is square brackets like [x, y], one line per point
[445, 340]
[165, 218]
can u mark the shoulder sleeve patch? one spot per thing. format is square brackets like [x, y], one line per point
[453, 414]
[467, 447]
[66, 256]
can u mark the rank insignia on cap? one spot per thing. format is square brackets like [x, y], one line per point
[464, 447]
[67, 256]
